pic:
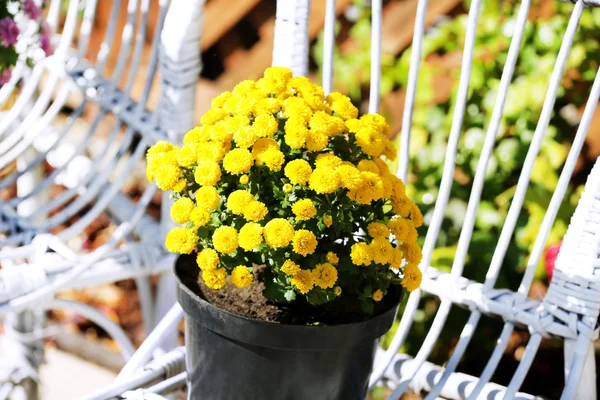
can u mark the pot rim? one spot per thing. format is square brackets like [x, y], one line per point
[280, 335]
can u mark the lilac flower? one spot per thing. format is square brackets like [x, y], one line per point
[5, 75]
[45, 34]
[9, 32]
[45, 44]
[31, 9]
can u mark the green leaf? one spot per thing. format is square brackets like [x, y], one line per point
[319, 296]
[367, 306]
[290, 295]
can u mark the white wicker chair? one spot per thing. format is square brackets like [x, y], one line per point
[569, 311]
[93, 169]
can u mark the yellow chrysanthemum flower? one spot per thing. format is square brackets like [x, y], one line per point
[287, 188]
[244, 179]
[304, 242]
[261, 147]
[273, 159]
[316, 141]
[412, 277]
[167, 176]
[400, 228]
[271, 87]
[199, 216]
[207, 259]
[240, 105]
[350, 177]
[325, 275]
[361, 254]
[328, 160]
[194, 135]
[238, 201]
[220, 132]
[382, 250]
[290, 268]
[278, 73]
[250, 236]
[214, 278]
[401, 205]
[296, 132]
[225, 239]
[207, 173]
[181, 240]
[324, 180]
[211, 151]
[412, 233]
[213, 116]
[377, 121]
[372, 185]
[377, 295]
[218, 101]
[389, 150]
[238, 161]
[296, 107]
[382, 166]
[316, 102]
[278, 233]
[323, 123]
[332, 258]
[342, 106]
[298, 171]
[160, 147]
[244, 87]
[370, 141]
[244, 137]
[327, 220]
[396, 258]
[388, 186]
[186, 156]
[353, 125]
[236, 122]
[255, 211]
[181, 209]
[180, 186]
[267, 106]
[207, 197]
[265, 125]
[377, 229]
[368, 166]
[303, 281]
[304, 210]
[241, 277]
[416, 215]
[412, 252]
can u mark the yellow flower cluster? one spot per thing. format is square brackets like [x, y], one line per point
[279, 171]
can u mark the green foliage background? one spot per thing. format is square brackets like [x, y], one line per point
[431, 127]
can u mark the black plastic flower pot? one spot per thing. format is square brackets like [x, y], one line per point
[233, 357]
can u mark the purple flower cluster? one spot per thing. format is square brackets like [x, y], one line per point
[5, 75]
[9, 32]
[31, 9]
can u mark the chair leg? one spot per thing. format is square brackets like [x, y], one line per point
[586, 389]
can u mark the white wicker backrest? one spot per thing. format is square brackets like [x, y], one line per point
[93, 163]
[571, 308]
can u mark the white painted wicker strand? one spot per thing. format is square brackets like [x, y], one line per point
[290, 45]
[328, 46]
